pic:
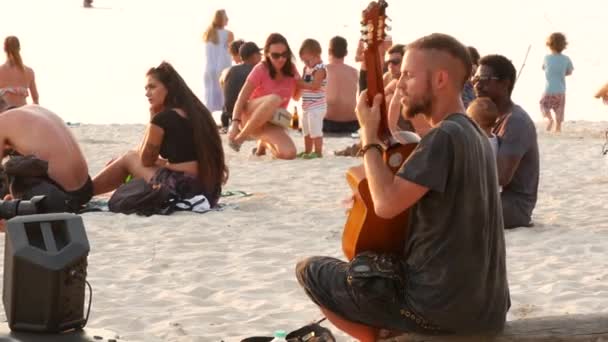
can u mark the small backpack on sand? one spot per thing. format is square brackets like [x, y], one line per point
[141, 198]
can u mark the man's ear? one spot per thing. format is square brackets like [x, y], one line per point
[441, 78]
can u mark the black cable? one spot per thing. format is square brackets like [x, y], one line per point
[86, 319]
[80, 276]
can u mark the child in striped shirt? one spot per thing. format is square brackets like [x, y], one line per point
[314, 105]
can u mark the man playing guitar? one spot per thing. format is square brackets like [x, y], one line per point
[451, 276]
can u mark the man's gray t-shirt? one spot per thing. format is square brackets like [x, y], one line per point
[517, 135]
[455, 253]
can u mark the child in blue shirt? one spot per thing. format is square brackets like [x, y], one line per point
[556, 66]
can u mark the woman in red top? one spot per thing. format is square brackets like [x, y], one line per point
[268, 89]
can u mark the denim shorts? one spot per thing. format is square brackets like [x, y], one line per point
[369, 290]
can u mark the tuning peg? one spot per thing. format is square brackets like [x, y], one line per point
[389, 28]
[388, 18]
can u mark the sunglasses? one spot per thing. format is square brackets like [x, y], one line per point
[484, 79]
[394, 61]
[277, 55]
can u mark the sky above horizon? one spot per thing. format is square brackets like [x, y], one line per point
[90, 63]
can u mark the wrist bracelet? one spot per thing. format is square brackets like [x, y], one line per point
[370, 146]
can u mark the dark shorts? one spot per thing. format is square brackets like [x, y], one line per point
[83, 195]
[57, 198]
[330, 126]
[369, 290]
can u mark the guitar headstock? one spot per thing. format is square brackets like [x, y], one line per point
[373, 24]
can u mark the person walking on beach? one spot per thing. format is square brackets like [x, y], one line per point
[266, 94]
[556, 66]
[449, 182]
[518, 158]
[181, 150]
[217, 58]
[15, 77]
[314, 105]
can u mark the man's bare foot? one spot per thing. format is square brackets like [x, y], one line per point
[550, 125]
[558, 127]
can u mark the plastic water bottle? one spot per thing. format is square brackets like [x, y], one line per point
[279, 336]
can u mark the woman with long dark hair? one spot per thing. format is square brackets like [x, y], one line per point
[267, 91]
[182, 144]
[15, 77]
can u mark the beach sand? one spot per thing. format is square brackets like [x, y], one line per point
[229, 274]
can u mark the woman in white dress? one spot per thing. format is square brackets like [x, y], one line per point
[217, 57]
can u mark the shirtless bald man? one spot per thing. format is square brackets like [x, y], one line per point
[32, 130]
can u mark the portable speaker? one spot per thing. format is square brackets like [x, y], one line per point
[45, 265]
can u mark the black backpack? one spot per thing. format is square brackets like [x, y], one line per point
[141, 198]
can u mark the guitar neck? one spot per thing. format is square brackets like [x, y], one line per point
[375, 85]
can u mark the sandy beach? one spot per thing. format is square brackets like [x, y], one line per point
[229, 274]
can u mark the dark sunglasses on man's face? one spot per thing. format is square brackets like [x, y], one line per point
[484, 79]
[395, 61]
[277, 55]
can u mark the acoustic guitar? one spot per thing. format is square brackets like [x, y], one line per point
[364, 230]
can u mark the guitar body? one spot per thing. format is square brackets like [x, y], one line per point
[364, 230]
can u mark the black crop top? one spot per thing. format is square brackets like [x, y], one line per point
[178, 140]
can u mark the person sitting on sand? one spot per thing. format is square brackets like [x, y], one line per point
[518, 158]
[181, 149]
[266, 93]
[15, 77]
[451, 275]
[341, 90]
[468, 93]
[43, 139]
[393, 63]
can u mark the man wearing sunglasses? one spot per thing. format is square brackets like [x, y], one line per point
[518, 160]
[395, 56]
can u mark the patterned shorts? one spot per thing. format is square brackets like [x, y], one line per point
[555, 102]
[368, 290]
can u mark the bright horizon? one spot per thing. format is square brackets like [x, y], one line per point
[90, 63]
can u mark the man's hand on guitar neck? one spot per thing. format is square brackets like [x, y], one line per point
[369, 118]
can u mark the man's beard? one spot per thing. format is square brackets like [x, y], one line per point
[424, 105]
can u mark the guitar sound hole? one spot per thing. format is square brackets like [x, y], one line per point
[395, 160]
